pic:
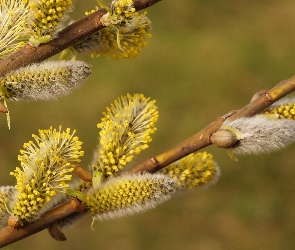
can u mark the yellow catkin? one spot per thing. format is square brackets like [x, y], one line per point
[48, 18]
[282, 111]
[129, 194]
[193, 171]
[125, 130]
[124, 37]
[14, 29]
[45, 169]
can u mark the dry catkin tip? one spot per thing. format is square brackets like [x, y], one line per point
[129, 194]
[125, 130]
[43, 81]
[193, 171]
[259, 134]
[45, 169]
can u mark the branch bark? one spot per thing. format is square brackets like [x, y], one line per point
[73, 33]
[10, 235]
[198, 141]
[68, 36]
[202, 138]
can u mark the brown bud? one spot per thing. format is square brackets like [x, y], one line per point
[256, 95]
[3, 109]
[83, 174]
[223, 138]
[55, 232]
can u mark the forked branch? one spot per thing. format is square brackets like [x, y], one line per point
[198, 141]
[70, 35]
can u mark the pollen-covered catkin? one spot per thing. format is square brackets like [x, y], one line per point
[259, 134]
[125, 130]
[132, 37]
[193, 171]
[121, 11]
[129, 194]
[283, 109]
[46, 169]
[48, 17]
[14, 29]
[43, 81]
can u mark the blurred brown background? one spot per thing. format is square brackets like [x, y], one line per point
[205, 59]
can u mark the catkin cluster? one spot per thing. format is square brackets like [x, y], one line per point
[125, 130]
[45, 169]
[124, 36]
[43, 81]
[193, 171]
[47, 19]
[14, 28]
[129, 194]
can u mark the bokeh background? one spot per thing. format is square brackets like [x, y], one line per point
[205, 59]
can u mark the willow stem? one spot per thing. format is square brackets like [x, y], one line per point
[68, 36]
[9, 235]
[202, 138]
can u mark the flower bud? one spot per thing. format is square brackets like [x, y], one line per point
[223, 138]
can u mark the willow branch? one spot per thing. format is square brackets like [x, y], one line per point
[10, 235]
[68, 36]
[202, 138]
[198, 141]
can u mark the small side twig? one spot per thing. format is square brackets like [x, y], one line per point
[200, 140]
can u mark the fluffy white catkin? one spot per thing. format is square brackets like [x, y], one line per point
[44, 81]
[261, 134]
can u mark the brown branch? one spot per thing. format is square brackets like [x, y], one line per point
[9, 235]
[28, 55]
[68, 36]
[192, 144]
[200, 140]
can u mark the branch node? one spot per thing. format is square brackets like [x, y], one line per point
[77, 204]
[257, 94]
[154, 160]
[268, 96]
[227, 115]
